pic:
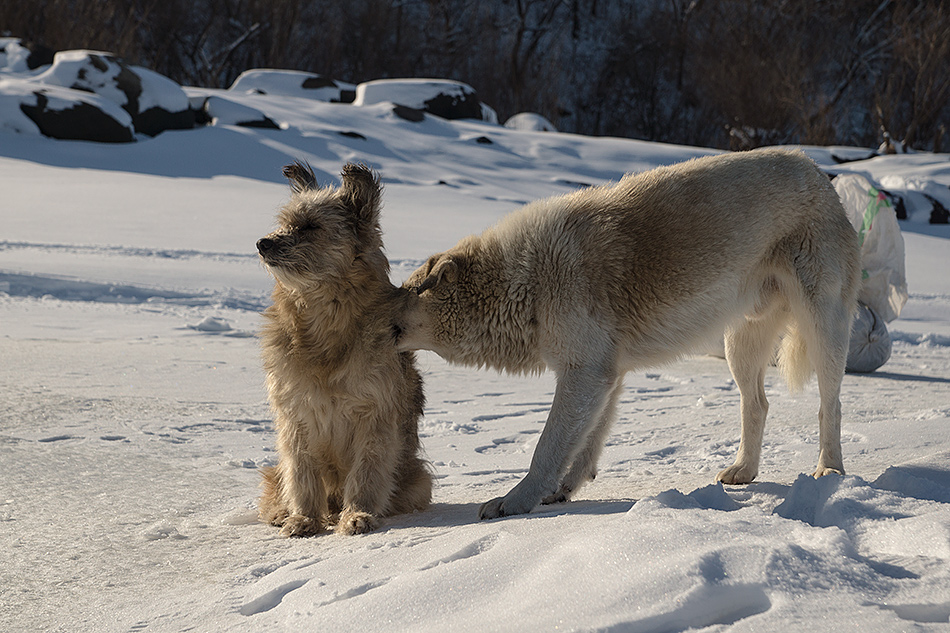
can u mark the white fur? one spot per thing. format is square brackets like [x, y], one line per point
[614, 278]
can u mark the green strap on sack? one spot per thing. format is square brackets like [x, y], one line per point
[877, 198]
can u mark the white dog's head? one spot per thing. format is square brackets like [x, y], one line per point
[459, 307]
[433, 316]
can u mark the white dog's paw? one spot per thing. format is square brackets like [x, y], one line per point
[355, 522]
[491, 509]
[300, 525]
[737, 474]
[503, 507]
[821, 472]
[563, 495]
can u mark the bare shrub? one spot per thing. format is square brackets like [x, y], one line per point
[726, 73]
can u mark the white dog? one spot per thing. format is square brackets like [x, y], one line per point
[619, 277]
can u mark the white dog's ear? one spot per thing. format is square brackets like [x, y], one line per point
[301, 176]
[444, 270]
[362, 193]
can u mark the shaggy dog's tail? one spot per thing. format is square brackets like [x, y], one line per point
[794, 360]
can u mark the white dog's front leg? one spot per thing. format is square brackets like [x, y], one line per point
[579, 400]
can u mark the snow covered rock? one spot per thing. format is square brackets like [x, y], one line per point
[442, 97]
[155, 102]
[530, 121]
[294, 83]
[16, 57]
[27, 107]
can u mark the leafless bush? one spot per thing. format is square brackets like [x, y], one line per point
[915, 90]
[724, 73]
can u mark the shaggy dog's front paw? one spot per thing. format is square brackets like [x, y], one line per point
[300, 525]
[353, 522]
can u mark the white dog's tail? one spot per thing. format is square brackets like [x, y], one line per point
[793, 359]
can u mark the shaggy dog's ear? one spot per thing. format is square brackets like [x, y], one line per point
[300, 176]
[362, 193]
[444, 270]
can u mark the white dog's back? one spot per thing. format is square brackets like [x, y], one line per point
[680, 252]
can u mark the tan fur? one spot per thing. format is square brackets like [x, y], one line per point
[619, 277]
[346, 403]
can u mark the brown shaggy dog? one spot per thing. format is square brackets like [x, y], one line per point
[346, 402]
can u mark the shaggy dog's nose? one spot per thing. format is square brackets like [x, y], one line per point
[265, 245]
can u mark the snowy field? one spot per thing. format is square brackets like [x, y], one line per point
[133, 416]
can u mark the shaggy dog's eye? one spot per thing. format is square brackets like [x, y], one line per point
[309, 227]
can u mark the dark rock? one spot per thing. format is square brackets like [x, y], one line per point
[317, 81]
[897, 202]
[459, 106]
[39, 55]
[409, 114]
[82, 122]
[266, 124]
[938, 213]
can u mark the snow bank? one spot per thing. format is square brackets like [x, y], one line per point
[134, 417]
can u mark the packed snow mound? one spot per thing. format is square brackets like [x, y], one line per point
[531, 122]
[13, 56]
[293, 83]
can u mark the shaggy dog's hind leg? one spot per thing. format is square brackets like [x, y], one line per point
[414, 491]
[271, 508]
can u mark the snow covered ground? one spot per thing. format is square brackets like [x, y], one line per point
[133, 416]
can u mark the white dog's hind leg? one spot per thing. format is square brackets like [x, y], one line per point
[584, 467]
[831, 354]
[579, 400]
[749, 346]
